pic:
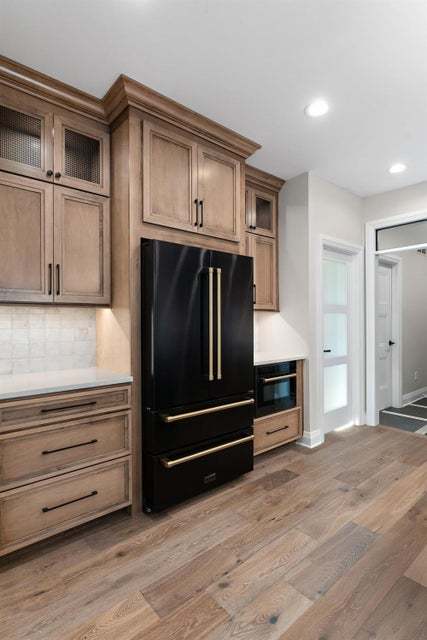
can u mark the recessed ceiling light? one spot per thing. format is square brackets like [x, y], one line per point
[399, 167]
[317, 108]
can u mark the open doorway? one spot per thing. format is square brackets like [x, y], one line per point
[397, 324]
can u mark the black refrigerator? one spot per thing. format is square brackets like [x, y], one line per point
[197, 370]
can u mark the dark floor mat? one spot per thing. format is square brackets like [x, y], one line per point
[422, 401]
[409, 410]
[407, 424]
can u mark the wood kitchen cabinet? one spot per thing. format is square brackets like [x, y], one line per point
[261, 207]
[264, 252]
[54, 244]
[26, 239]
[188, 185]
[38, 141]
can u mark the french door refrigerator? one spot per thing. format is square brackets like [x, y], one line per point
[197, 370]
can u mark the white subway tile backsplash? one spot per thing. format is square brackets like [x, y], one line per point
[38, 338]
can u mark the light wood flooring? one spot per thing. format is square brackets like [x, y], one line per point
[329, 544]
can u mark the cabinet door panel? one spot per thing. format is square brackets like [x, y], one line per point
[263, 251]
[219, 191]
[265, 213]
[26, 141]
[82, 154]
[26, 239]
[82, 247]
[169, 175]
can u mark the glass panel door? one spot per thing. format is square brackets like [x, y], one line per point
[336, 340]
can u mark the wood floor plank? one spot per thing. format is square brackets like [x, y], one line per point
[238, 587]
[124, 621]
[401, 615]
[393, 504]
[418, 569]
[266, 617]
[193, 621]
[331, 560]
[348, 604]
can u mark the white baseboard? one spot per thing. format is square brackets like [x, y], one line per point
[311, 439]
[414, 395]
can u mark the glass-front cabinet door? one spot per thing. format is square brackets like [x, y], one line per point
[261, 212]
[26, 139]
[82, 154]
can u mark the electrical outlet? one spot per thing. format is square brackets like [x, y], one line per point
[416, 376]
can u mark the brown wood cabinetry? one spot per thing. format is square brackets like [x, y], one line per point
[39, 141]
[26, 239]
[261, 213]
[54, 245]
[65, 460]
[188, 185]
[284, 426]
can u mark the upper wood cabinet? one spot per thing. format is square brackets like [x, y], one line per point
[26, 239]
[59, 147]
[169, 178]
[54, 243]
[261, 207]
[81, 247]
[264, 252]
[189, 186]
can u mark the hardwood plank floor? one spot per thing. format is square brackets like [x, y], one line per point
[329, 544]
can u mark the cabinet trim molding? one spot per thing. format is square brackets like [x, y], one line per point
[126, 92]
[262, 179]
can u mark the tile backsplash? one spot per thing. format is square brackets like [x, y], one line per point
[37, 338]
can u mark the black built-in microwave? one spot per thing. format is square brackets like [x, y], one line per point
[275, 387]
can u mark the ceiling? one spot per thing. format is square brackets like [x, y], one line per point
[253, 65]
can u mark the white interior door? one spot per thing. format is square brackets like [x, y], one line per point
[384, 329]
[337, 320]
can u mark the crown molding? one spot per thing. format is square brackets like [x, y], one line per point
[38, 84]
[126, 92]
[262, 179]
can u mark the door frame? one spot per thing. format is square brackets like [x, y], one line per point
[355, 252]
[395, 264]
[372, 413]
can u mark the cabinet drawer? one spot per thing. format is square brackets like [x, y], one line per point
[51, 408]
[28, 454]
[276, 429]
[42, 509]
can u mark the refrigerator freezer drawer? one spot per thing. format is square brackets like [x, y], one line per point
[200, 423]
[169, 479]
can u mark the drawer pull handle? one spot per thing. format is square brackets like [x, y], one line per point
[269, 433]
[64, 504]
[71, 446]
[70, 406]
[168, 464]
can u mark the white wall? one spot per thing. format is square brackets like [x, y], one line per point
[393, 203]
[414, 320]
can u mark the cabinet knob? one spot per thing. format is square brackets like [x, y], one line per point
[57, 174]
[49, 173]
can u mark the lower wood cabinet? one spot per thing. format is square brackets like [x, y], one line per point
[62, 472]
[277, 429]
[264, 252]
[54, 243]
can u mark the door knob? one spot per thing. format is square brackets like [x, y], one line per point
[327, 350]
[391, 343]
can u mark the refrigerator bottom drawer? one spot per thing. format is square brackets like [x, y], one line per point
[170, 479]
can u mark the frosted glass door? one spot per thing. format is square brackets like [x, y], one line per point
[336, 340]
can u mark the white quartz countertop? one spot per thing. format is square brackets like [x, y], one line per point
[33, 384]
[266, 357]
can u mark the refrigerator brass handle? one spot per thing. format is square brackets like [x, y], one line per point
[288, 375]
[219, 327]
[202, 412]
[207, 452]
[210, 321]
